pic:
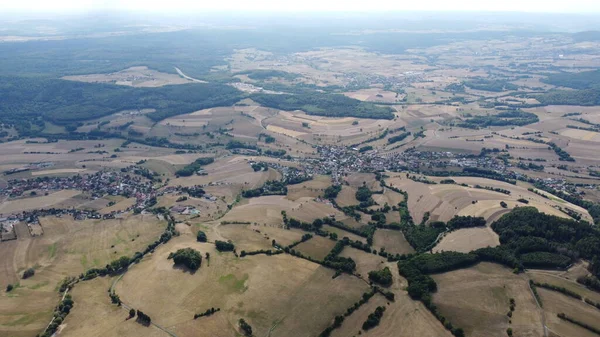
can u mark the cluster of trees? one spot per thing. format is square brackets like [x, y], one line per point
[143, 318]
[554, 240]
[398, 138]
[505, 118]
[490, 85]
[193, 191]
[61, 311]
[208, 312]
[495, 189]
[586, 97]
[268, 252]
[274, 153]
[465, 222]
[304, 238]
[114, 267]
[591, 282]
[194, 167]
[545, 260]
[271, 187]
[323, 104]
[224, 246]
[580, 80]
[383, 277]
[422, 237]
[374, 318]
[363, 194]
[332, 191]
[365, 149]
[562, 154]
[265, 74]
[473, 172]
[262, 166]
[343, 264]
[188, 257]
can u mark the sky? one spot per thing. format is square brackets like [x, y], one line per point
[187, 6]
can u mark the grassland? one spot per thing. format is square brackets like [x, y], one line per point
[266, 291]
[67, 248]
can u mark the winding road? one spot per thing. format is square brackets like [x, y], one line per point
[188, 77]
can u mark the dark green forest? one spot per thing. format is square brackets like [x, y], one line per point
[582, 80]
[330, 105]
[27, 102]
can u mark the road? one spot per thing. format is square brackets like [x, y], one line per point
[188, 77]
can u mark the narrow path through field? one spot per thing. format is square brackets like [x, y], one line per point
[540, 310]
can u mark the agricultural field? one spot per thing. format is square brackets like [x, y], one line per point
[251, 142]
[241, 287]
[444, 201]
[478, 298]
[66, 248]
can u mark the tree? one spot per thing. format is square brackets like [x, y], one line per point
[223, 246]
[201, 237]
[383, 276]
[245, 327]
[131, 312]
[9, 288]
[28, 273]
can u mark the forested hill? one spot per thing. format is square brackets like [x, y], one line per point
[330, 105]
[582, 80]
[26, 101]
[525, 230]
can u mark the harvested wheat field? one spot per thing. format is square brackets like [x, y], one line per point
[46, 201]
[317, 247]
[357, 180]
[267, 210]
[264, 290]
[403, 317]
[365, 262]
[251, 238]
[468, 239]
[67, 248]
[393, 241]
[94, 315]
[478, 298]
[555, 303]
[347, 196]
[556, 278]
[444, 201]
[312, 188]
[119, 206]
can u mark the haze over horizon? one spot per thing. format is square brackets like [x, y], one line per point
[187, 7]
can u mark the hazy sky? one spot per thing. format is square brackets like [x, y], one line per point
[187, 6]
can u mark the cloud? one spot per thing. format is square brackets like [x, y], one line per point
[188, 6]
